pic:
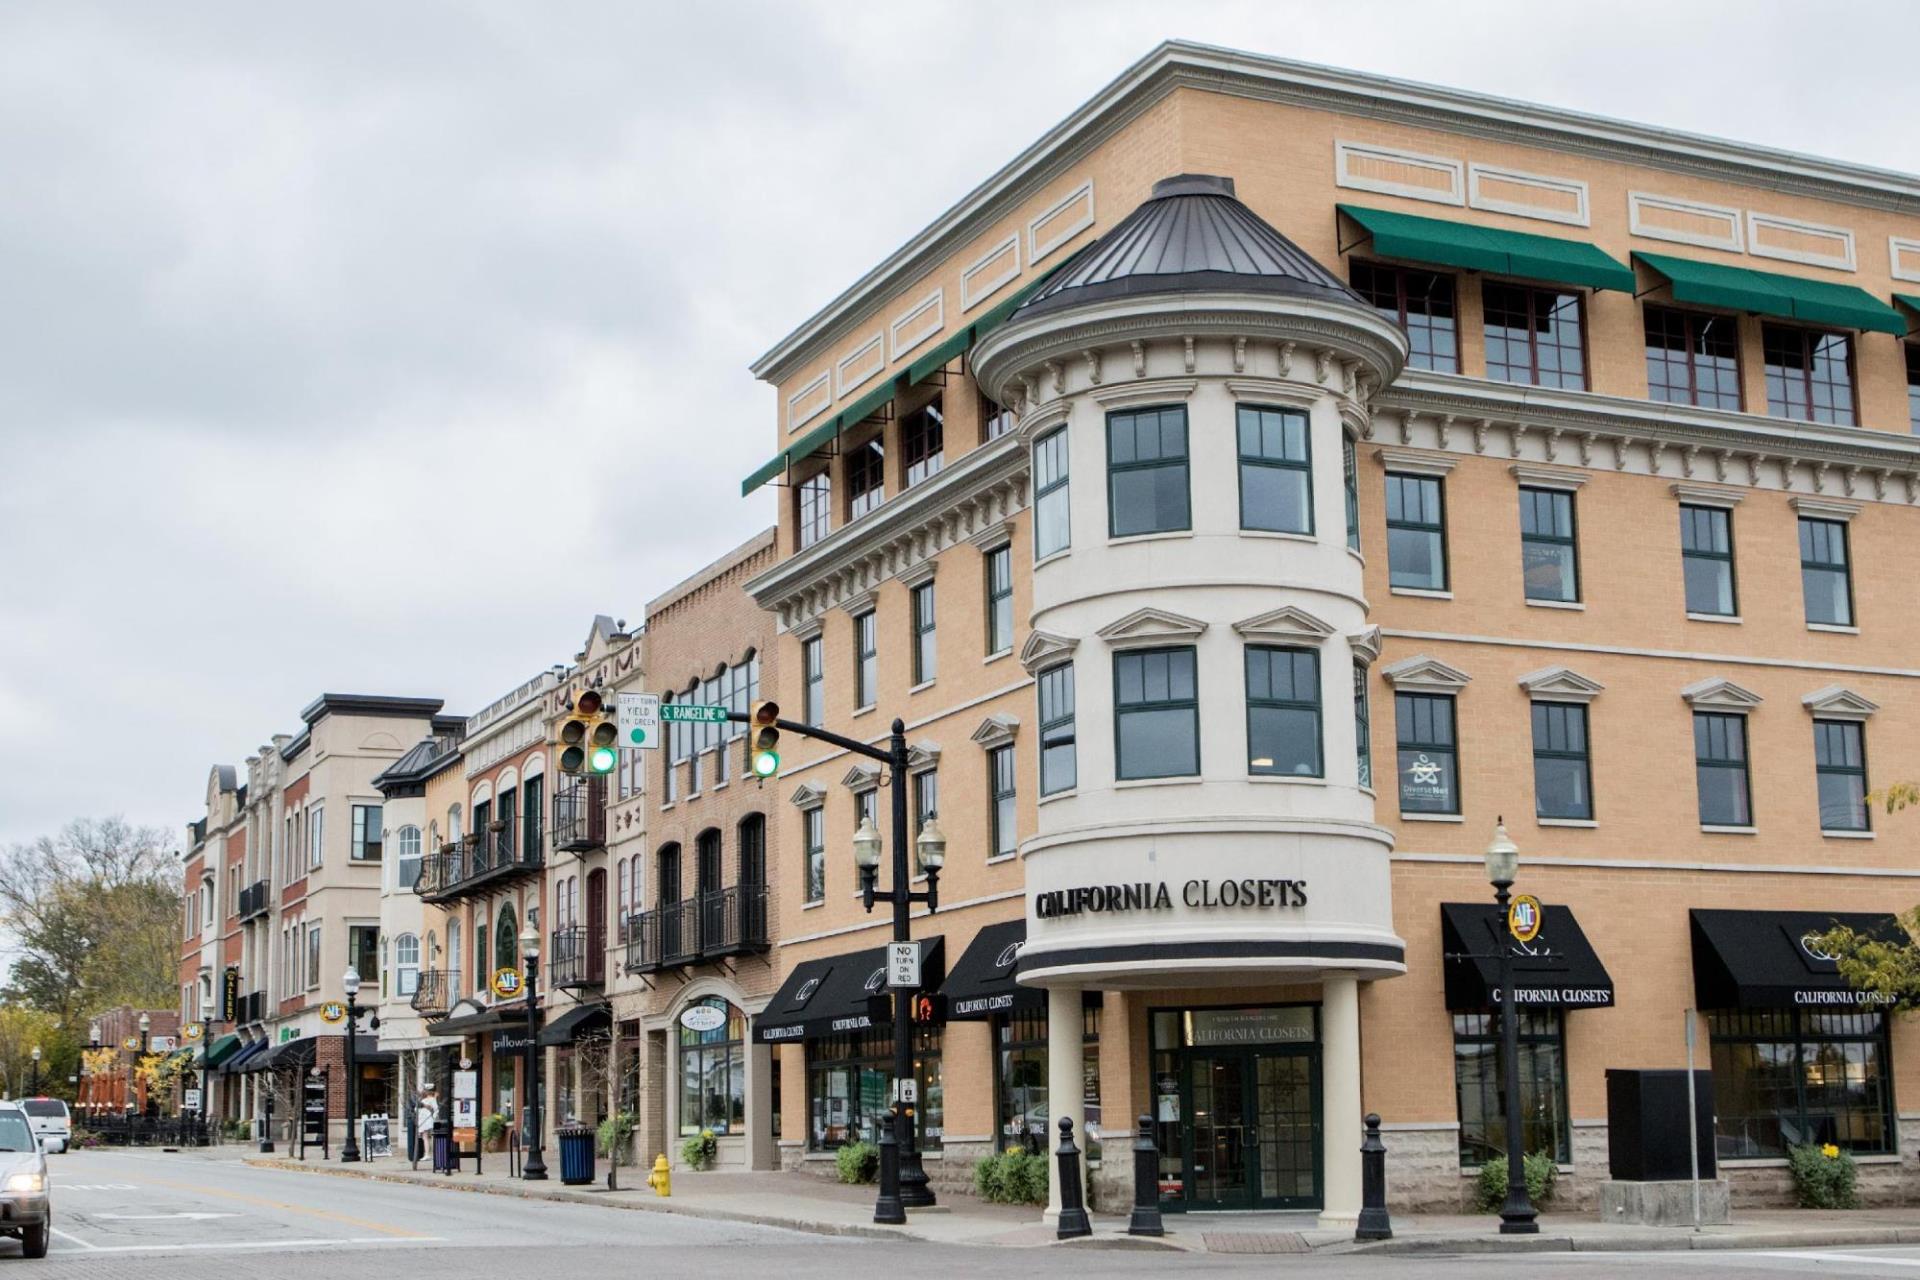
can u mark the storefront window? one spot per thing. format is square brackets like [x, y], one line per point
[1543, 1086]
[713, 1070]
[1020, 1079]
[1788, 1078]
[847, 1088]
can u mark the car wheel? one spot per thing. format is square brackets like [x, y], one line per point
[34, 1240]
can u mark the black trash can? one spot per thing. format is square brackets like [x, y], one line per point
[576, 1154]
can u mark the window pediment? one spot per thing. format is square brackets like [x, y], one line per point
[997, 731]
[1837, 702]
[1365, 644]
[923, 755]
[1720, 695]
[1560, 684]
[808, 795]
[1150, 626]
[861, 777]
[1289, 624]
[1045, 649]
[1425, 674]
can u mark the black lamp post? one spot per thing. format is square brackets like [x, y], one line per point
[36, 1070]
[1517, 1214]
[146, 1025]
[903, 1181]
[535, 1169]
[206, 1065]
[350, 1149]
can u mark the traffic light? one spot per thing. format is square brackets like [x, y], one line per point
[763, 740]
[587, 736]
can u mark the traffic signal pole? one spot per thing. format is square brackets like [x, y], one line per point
[903, 1179]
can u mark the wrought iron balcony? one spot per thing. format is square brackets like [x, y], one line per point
[480, 862]
[573, 960]
[254, 900]
[708, 926]
[434, 995]
[580, 815]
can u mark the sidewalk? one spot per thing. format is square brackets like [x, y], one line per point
[804, 1203]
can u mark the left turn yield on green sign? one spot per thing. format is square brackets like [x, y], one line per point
[639, 720]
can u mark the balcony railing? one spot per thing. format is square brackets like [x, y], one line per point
[580, 816]
[434, 995]
[574, 961]
[253, 900]
[479, 861]
[707, 926]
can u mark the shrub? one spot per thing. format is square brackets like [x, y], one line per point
[493, 1129]
[1823, 1177]
[1012, 1177]
[613, 1133]
[698, 1151]
[858, 1162]
[1490, 1192]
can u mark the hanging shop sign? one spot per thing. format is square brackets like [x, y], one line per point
[1524, 917]
[1250, 894]
[230, 995]
[506, 982]
[192, 1031]
[333, 1011]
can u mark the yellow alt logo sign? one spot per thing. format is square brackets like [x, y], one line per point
[506, 983]
[333, 1011]
[1524, 916]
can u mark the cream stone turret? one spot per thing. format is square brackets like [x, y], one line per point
[1190, 387]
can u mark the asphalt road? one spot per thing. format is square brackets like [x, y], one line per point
[152, 1216]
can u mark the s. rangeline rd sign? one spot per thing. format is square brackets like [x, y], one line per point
[696, 712]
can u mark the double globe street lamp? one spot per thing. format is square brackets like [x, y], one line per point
[1503, 865]
[535, 1169]
[350, 987]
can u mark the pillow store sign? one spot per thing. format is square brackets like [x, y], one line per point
[1250, 894]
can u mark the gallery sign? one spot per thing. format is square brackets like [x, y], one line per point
[1249, 894]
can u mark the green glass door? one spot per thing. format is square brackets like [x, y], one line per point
[1287, 1086]
[1255, 1129]
[1221, 1176]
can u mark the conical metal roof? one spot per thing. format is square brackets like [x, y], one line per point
[1191, 236]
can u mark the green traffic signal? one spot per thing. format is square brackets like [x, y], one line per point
[603, 759]
[766, 763]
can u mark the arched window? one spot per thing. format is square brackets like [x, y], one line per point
[406, 964]
[506, 939]
[453, 824]
[453, 958]
[713, 1068]
[407, 841]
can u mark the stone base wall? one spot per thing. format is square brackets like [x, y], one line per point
[1424, 1174]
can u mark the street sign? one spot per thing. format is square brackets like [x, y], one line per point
[192, 1100]
[906, 1092]
[506, 983]
[1523, 918]
[639, 721]
[903, 964]
[697, 712]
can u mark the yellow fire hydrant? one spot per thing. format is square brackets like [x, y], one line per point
[661, 1179]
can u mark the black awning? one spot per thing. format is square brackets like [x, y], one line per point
[1761, 960]
[367, 1052]
[1558, 968]
[476, 1024]
[982, 984]
[832, 995]
[581, 1020]
[289, 1055]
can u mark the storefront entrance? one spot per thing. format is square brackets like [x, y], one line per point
[1238, 1108]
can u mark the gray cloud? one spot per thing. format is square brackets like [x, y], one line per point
[312, 315]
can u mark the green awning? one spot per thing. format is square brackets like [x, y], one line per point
[1513, 253]
[1911, 301]
[1768, 293]
[940, 357]
[222, 1049]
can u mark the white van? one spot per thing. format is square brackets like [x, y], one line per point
[52, 1122]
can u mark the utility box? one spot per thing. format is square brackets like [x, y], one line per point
[1647, 1125]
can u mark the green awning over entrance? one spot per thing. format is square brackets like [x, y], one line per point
[1768, 293]
[1472, 248]
[222, 1049]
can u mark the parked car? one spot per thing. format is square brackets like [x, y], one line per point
[26, 1210]
[52, 1122]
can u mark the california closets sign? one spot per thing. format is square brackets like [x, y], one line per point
[1155, 895]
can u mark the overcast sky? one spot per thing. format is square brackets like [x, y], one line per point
[376, 347]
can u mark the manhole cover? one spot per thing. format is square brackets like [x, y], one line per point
[1254, 1242]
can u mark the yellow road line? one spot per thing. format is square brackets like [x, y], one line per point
[264, 1203]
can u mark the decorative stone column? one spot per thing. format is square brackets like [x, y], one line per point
[1065, 1087]
[1340, 1100]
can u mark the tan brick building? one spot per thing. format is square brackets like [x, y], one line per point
[1262, 484]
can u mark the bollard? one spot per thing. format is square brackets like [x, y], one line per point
[1073, 1204]
[1373, 1224]
[1146, 1184]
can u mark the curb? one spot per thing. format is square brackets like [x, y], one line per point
[1680, 1241]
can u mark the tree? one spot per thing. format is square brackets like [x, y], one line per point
[21, 1031]
[1890, 969]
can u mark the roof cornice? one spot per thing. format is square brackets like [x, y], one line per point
[1182, 64]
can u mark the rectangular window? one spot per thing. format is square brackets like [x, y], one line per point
[1693, 358]
[1416, 533]
[1156, 714]
[1791, 1077]
[1706, 560]
[1276, 470]
[366, 833]
[814, 502]
[1058, 769]
[926, 663]
[1720, 769]
[1482, 1101]
[813, 666]
[816, 822]
[866, 477]
[999, 567]
[1052, 526]
[1351, 477]
[1429, 759]
[1147, 471]
[1824, 580]
[1809, 374]
[1362, 725]
[1420, 302]
[1283, 712]
[313, 955]
[1913, 387]
[1840, 765]
[1533, 336]
[316, 837]
[926, 797]
[1005, 834]
[1549, 565]
[1562, 763]
[865, 661]
[995, 420]
[923, 442]
[363, 951]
